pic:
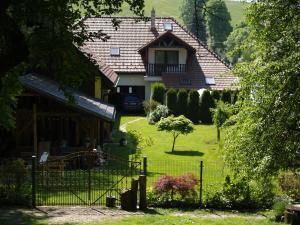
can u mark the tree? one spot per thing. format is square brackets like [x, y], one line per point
[218, 23]
[220, 114]
[193, 106]
[158, 92]
[44, 37]
[172, 100]
[192, 14]
[265, 136]
[206, 104]
[182, 101]
[175, 126]
[235, 50]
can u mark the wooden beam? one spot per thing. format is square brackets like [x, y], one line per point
[35, 144]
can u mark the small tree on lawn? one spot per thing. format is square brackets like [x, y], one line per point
[158, 92]
[172, 100]
[220, 115]
[176, 126]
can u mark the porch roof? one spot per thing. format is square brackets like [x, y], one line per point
[85, 103]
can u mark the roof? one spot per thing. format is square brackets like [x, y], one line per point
[132, 34]
[87, 104]
[167, 33]
[106, 70]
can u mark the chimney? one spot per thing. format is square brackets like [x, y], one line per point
[152, 19]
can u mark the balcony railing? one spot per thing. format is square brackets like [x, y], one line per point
[158, 69]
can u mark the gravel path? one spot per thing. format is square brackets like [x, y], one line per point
[123, 127]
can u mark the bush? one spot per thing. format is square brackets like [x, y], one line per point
[172, 100]
[182, 100]
[149, 106]
[14, 185]
[193, 106]
[158, 92]
[242, 194]
[175, 188]
[289, 183]
[206, 104]
[160, 112]
[226, 96]
[279, 208]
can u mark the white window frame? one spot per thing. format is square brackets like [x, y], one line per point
[166, 28]
[114, 51]
[210, 80]
[130, 90]
[118, 89]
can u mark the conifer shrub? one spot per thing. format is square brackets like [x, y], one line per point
[193, 106]
[182, 102]
[158, 92]
[226, 96]
[216, 94]
[206, 104]
[172, 100]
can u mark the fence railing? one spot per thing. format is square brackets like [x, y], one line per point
[158, 69]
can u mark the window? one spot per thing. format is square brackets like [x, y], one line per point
[166, 57]
[210, 80]
[115, 51]
[168, 26]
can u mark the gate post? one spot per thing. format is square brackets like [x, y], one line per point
[33, 181]
[143, 192]
[145, 165]
[201, 182]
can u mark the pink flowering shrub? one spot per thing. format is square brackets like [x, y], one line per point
[170, 186]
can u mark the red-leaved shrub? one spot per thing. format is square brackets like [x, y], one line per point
[168, 186]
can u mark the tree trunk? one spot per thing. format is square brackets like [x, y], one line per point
[174, 139]
[218, 134]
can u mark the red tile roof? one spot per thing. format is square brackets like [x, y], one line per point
[132, 34]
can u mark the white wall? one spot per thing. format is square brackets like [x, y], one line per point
[182, 54]
[135, 80]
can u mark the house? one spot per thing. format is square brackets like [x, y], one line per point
[48, 121]
[157, 49]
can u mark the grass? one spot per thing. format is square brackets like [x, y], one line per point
[164, 8]
[199, 146]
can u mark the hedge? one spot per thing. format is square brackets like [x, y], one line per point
[193, 106]
[158, 92]
[172, 100]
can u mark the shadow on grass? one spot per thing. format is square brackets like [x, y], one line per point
[186, 153]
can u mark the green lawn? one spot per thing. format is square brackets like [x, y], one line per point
[199, 146]
[164, 8]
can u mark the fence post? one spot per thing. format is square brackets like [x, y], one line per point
[33, 181]
[145, 165]
[201, 182]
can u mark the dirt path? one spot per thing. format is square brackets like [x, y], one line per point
[79, 214]
[123, 127]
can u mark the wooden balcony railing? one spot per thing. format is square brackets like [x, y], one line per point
[158, 69]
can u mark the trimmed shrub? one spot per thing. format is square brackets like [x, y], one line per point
[182, 101]
[172, 100]
[206, 104]
[289, 183]
[160, 112]
[158, 92]
[216, 94]
[226, 96]
[149, 106]
[193, 106]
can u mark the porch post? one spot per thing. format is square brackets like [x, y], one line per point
[35, 144]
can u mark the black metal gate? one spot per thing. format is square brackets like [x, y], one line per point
[82, 178]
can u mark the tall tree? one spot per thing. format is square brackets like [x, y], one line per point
[45, 36]
[218, 23]
[266, 134]
[192, 14]
[235, 50]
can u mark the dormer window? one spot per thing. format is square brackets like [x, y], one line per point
[115, 51]
[168, 27]
[210, 80]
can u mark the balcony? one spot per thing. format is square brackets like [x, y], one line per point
[158, 69]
